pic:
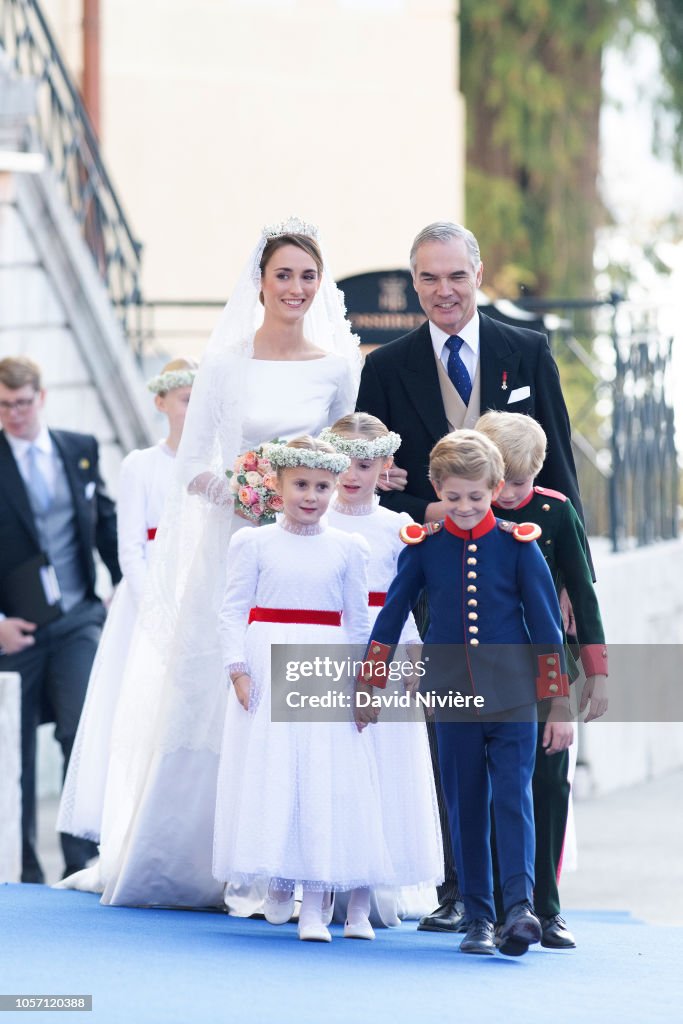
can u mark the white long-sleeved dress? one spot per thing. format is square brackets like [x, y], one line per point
[297, 800]
[157, 824]
[410, 809]
[144, 480]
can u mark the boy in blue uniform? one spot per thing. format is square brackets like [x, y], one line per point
[491, 597]
[522, 443]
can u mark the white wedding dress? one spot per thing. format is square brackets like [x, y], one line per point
[158, 817]
[144, 481]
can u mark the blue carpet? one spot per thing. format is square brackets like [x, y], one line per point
[178, 966]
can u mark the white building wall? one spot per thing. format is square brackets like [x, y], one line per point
[222, 115]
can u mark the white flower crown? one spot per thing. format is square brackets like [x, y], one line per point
[291, 226]
[170, 380]
[283, 457]
[360, 448]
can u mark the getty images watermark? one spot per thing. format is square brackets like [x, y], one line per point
[455, 681]
[310, 683]
[338, 672]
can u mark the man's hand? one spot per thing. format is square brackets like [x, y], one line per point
[242, 684]
[394, 479]
[595, 694]
[559, 731]
[567, 612]
[435, 511]
[15, 635]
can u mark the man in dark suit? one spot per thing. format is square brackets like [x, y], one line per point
[441, 377]
[52, 501]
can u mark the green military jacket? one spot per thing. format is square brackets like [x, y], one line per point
[563, 543]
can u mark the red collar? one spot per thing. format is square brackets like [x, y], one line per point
[523, 502]
[487, 524]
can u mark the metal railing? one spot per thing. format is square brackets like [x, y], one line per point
[627, 464]
[64, 132]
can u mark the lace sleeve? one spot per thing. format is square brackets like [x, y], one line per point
[355, 613]
[131, 519]
[238, 597]
[212, 431]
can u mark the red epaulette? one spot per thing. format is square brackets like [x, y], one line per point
[548, 493]
[415, 533]
[520, 531]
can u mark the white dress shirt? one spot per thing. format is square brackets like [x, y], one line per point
[469, 350]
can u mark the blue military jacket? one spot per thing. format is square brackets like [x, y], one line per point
[494, 618]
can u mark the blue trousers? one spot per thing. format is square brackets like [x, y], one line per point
[482, 762]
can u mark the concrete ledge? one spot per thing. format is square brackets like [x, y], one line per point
[641, 597]
[10, 777]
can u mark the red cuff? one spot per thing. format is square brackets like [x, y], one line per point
[551, 681]
[594, 659]
[374, 668]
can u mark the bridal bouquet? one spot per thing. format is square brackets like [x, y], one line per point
[252, 481]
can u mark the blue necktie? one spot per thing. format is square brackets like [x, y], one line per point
[37, 484]
[457, 371]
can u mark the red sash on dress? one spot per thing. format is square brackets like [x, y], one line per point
[151, 533]
[302, 616]
[376, 598]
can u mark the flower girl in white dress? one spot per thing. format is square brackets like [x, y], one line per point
[410, 812]
[298, 801]
[144, 480]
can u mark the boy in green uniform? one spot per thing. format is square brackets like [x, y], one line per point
[522, 443]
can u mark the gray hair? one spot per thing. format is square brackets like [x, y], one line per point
[445, 231]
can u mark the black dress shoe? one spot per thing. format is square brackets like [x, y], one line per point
[520, 929]
[479, 938]
[449, 916]
[555, 934]
[33, 875]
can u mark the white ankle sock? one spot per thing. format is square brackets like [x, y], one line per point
[311, 907]
[358, 908]
[279, 890]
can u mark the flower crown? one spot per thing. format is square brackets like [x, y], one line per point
[281, 456]
[291, 226]
[360, 448]
[170, 380]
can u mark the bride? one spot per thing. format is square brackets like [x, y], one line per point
[281, 362]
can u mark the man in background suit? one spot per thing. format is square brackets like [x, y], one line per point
[52, 501]
[443, 376]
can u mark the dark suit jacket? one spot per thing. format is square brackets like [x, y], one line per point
[400, 385]
[95, 512]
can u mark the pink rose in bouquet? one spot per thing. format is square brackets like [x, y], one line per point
[252, 481]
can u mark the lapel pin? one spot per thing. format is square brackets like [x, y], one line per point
[84, 463]
[504, 383]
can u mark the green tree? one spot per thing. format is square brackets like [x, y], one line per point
[531, 76]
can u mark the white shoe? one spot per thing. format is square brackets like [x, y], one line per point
[278, 911]
[314, 932]
[361, 929]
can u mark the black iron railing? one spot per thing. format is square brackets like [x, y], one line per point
[69, 142]
[628, 466]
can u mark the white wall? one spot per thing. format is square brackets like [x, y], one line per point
[219, 117]
[641, 598]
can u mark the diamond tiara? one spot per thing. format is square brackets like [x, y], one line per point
[291, 226]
